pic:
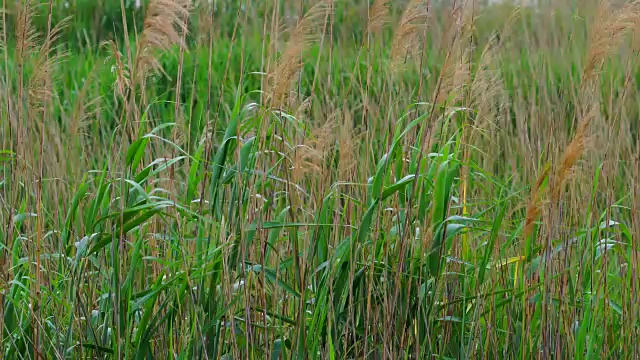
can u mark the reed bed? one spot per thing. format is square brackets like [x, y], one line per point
[319, 179]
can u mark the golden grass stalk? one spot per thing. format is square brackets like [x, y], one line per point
[290, 62]
[410, 31]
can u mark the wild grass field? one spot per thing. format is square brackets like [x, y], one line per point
[322, 179]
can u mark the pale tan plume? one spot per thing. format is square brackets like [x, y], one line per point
[410, 31]
[347, 160]
[607, 34]
[571, 155]
[378, 16]
[309, 156]
[290, 62]
[25, 32]
[456, 71]
[47, 58]
[164, 25]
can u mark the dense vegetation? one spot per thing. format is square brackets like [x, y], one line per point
[319, 179]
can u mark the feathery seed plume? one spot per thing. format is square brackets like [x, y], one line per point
[379, 16]
[290, 63]
[163, 28]
[410, 31]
